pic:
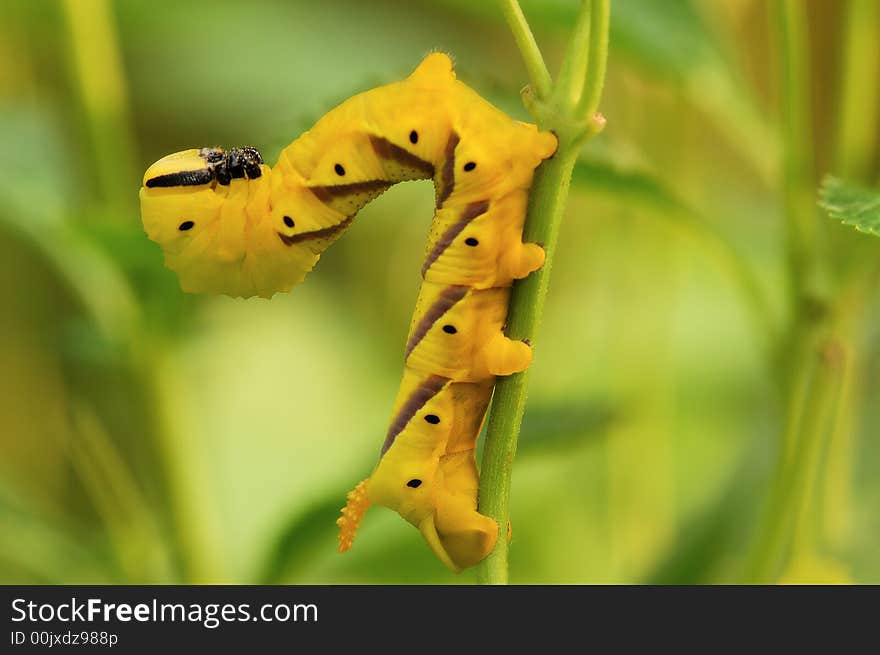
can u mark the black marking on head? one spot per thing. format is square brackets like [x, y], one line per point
[471, 241]
[288, 221]
[449, 329]
[339, 169]
[183, 178]
[221, 166]
[186, 225]
[413, 137]
[470, 166]
[415, 483]
[433, 419]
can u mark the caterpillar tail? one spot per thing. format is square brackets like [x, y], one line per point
[354, 510]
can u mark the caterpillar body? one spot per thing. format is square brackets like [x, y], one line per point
[230, 224]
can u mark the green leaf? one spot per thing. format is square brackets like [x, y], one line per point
[851, 204]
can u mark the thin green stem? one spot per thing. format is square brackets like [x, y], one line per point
[544, 217]
[549, 193]
[811, 348]
[97, 65]
[860, 93]
[798, 185]
[600, 15]
[528, 47]
[836, 508]
[812, 415]
[572, 73]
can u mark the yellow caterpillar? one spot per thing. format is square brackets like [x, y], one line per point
[229, 224]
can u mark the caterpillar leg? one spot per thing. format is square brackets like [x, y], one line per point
[531, 258]
[505, 356]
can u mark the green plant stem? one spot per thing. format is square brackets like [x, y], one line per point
[860, 93]
[798, 185]
[549, 193]
[811, 349]
[836, 511]
[600, 15]
[97, 65]
[812, 415]
[572, 73]
[853, 158]
[528, 47]
[543, 219]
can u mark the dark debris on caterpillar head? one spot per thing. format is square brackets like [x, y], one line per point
[235, 164]
[220, 165]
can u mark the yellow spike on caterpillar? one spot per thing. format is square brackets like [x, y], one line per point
[358, 503]
[230, 224]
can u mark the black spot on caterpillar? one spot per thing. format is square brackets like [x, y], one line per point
[445, 300]
[426, 390]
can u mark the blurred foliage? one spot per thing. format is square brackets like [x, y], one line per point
[147, 436]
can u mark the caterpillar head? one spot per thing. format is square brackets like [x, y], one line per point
[210, 211]
[438, 497]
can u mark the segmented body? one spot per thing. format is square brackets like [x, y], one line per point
[257, 234]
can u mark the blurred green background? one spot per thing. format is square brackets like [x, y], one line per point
[151, 437]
